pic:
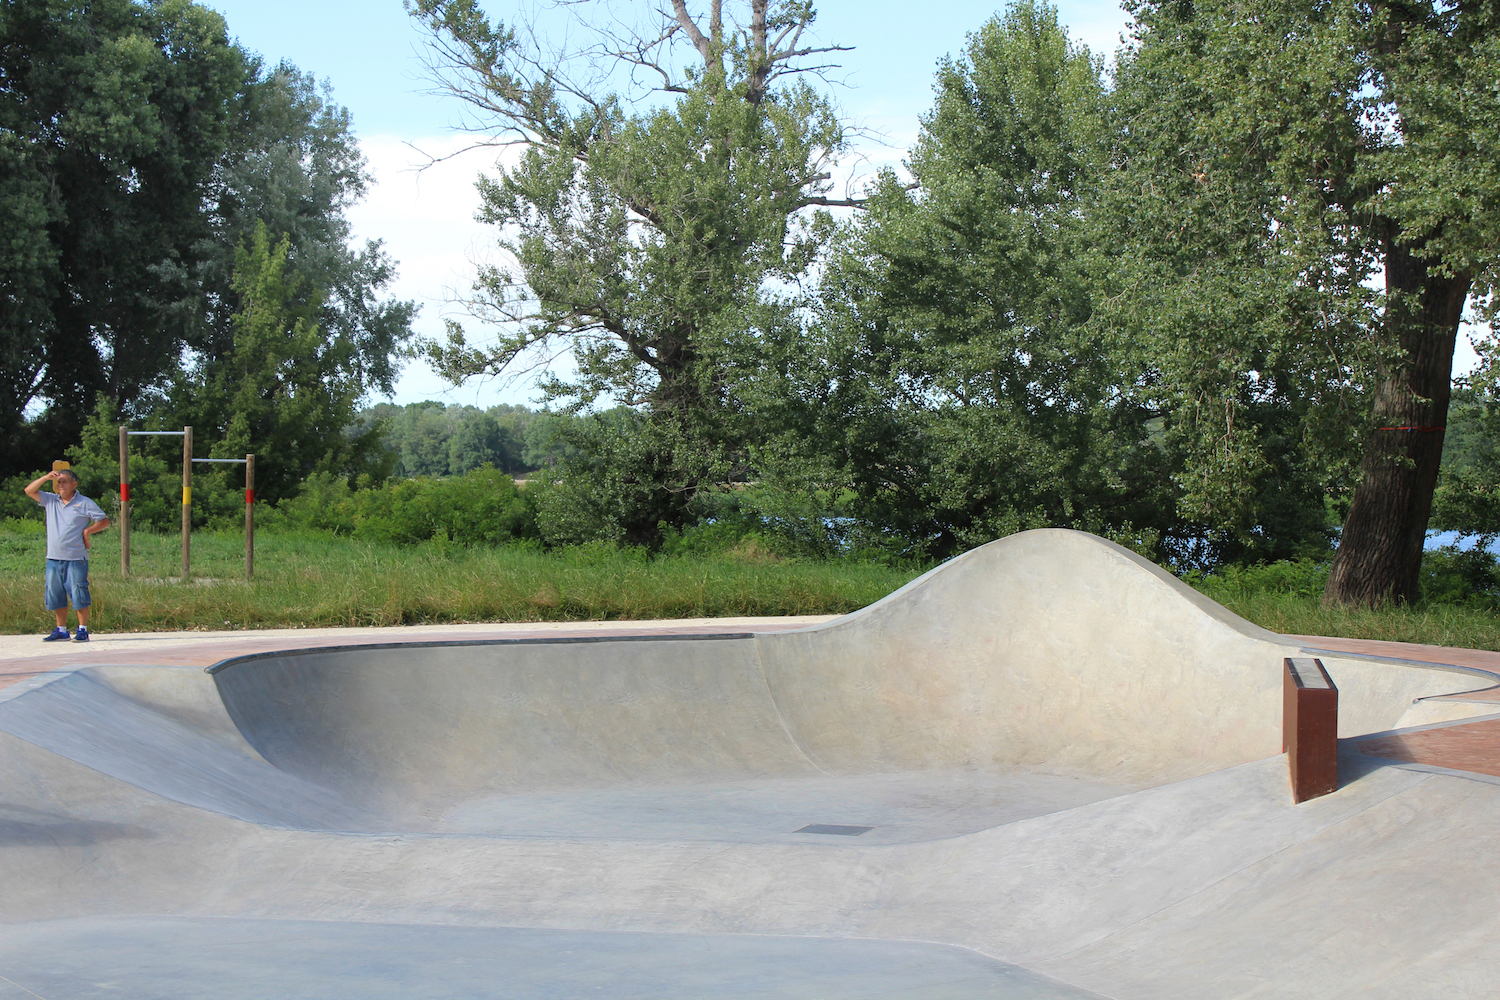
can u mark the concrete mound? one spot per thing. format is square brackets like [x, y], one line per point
[1049, 648]
[1047, 751]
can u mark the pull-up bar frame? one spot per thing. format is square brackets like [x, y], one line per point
[187, 498]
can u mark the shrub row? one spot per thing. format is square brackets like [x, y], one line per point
[481, 507]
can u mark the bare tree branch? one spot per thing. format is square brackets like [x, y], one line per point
[822, 202]
[695, 35]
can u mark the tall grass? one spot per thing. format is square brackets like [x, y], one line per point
[1429, 623]
[319, 580]
[1287, 597]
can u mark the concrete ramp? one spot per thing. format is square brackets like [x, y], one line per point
[1058, 646]
[168, 745]
[1049, 649]
[435, 725]
[1045, 769]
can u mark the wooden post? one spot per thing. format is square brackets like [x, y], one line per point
[124, 501]
[187, 500]
[249, 516]
[1310, 728]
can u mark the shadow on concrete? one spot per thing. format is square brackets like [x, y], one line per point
[23, 827]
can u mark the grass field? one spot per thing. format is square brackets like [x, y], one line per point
[318, 580]
[325, 581]
[1433, 624]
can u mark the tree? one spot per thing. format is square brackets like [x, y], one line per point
[295, 167]
[285, 390]
[281, 189]
[476, 441]
[1276, 160]
[970, 396]
[113, 115]
[140, 152]
[645, 241]
[430, 439]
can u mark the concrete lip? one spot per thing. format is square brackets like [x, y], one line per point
[1044, 769]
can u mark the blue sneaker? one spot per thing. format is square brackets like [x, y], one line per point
[59, 634]
[82, 635]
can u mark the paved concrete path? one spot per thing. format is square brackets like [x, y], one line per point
[1483, 659]
[1046, 769]
[1453, 745]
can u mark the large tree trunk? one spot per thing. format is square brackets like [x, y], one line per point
[1379, 557]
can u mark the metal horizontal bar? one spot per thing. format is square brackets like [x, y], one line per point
[232, 461]
[155, 433]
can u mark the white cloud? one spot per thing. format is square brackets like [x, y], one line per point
[424, 213]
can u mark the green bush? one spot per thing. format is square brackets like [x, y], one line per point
[1466, 578]
[1450, 576]
[15, 506]
[481, 507]
[1301, 577]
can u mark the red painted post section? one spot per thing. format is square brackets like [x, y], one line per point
[124, 501]
[1310, 728]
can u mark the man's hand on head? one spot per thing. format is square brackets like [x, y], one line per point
[34, 488]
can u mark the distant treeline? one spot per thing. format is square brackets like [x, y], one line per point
[433, 439]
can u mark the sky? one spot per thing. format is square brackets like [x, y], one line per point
[371, 53]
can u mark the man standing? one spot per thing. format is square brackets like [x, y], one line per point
[71, 519]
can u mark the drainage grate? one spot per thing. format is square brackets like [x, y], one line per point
[838, 831]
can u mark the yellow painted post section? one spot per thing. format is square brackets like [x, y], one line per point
[187, 501]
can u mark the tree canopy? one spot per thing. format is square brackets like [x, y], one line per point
[1204, 303]
[649, 240]
[959, 389]
[1306, 200]
[113, 119]
[145, 154]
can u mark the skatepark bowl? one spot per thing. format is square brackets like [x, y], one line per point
[1046, 769]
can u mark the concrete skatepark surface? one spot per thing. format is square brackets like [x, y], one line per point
[1045, 769]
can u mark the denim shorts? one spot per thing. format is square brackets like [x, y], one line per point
[67, 580]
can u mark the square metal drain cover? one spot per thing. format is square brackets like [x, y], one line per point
[838, 831]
